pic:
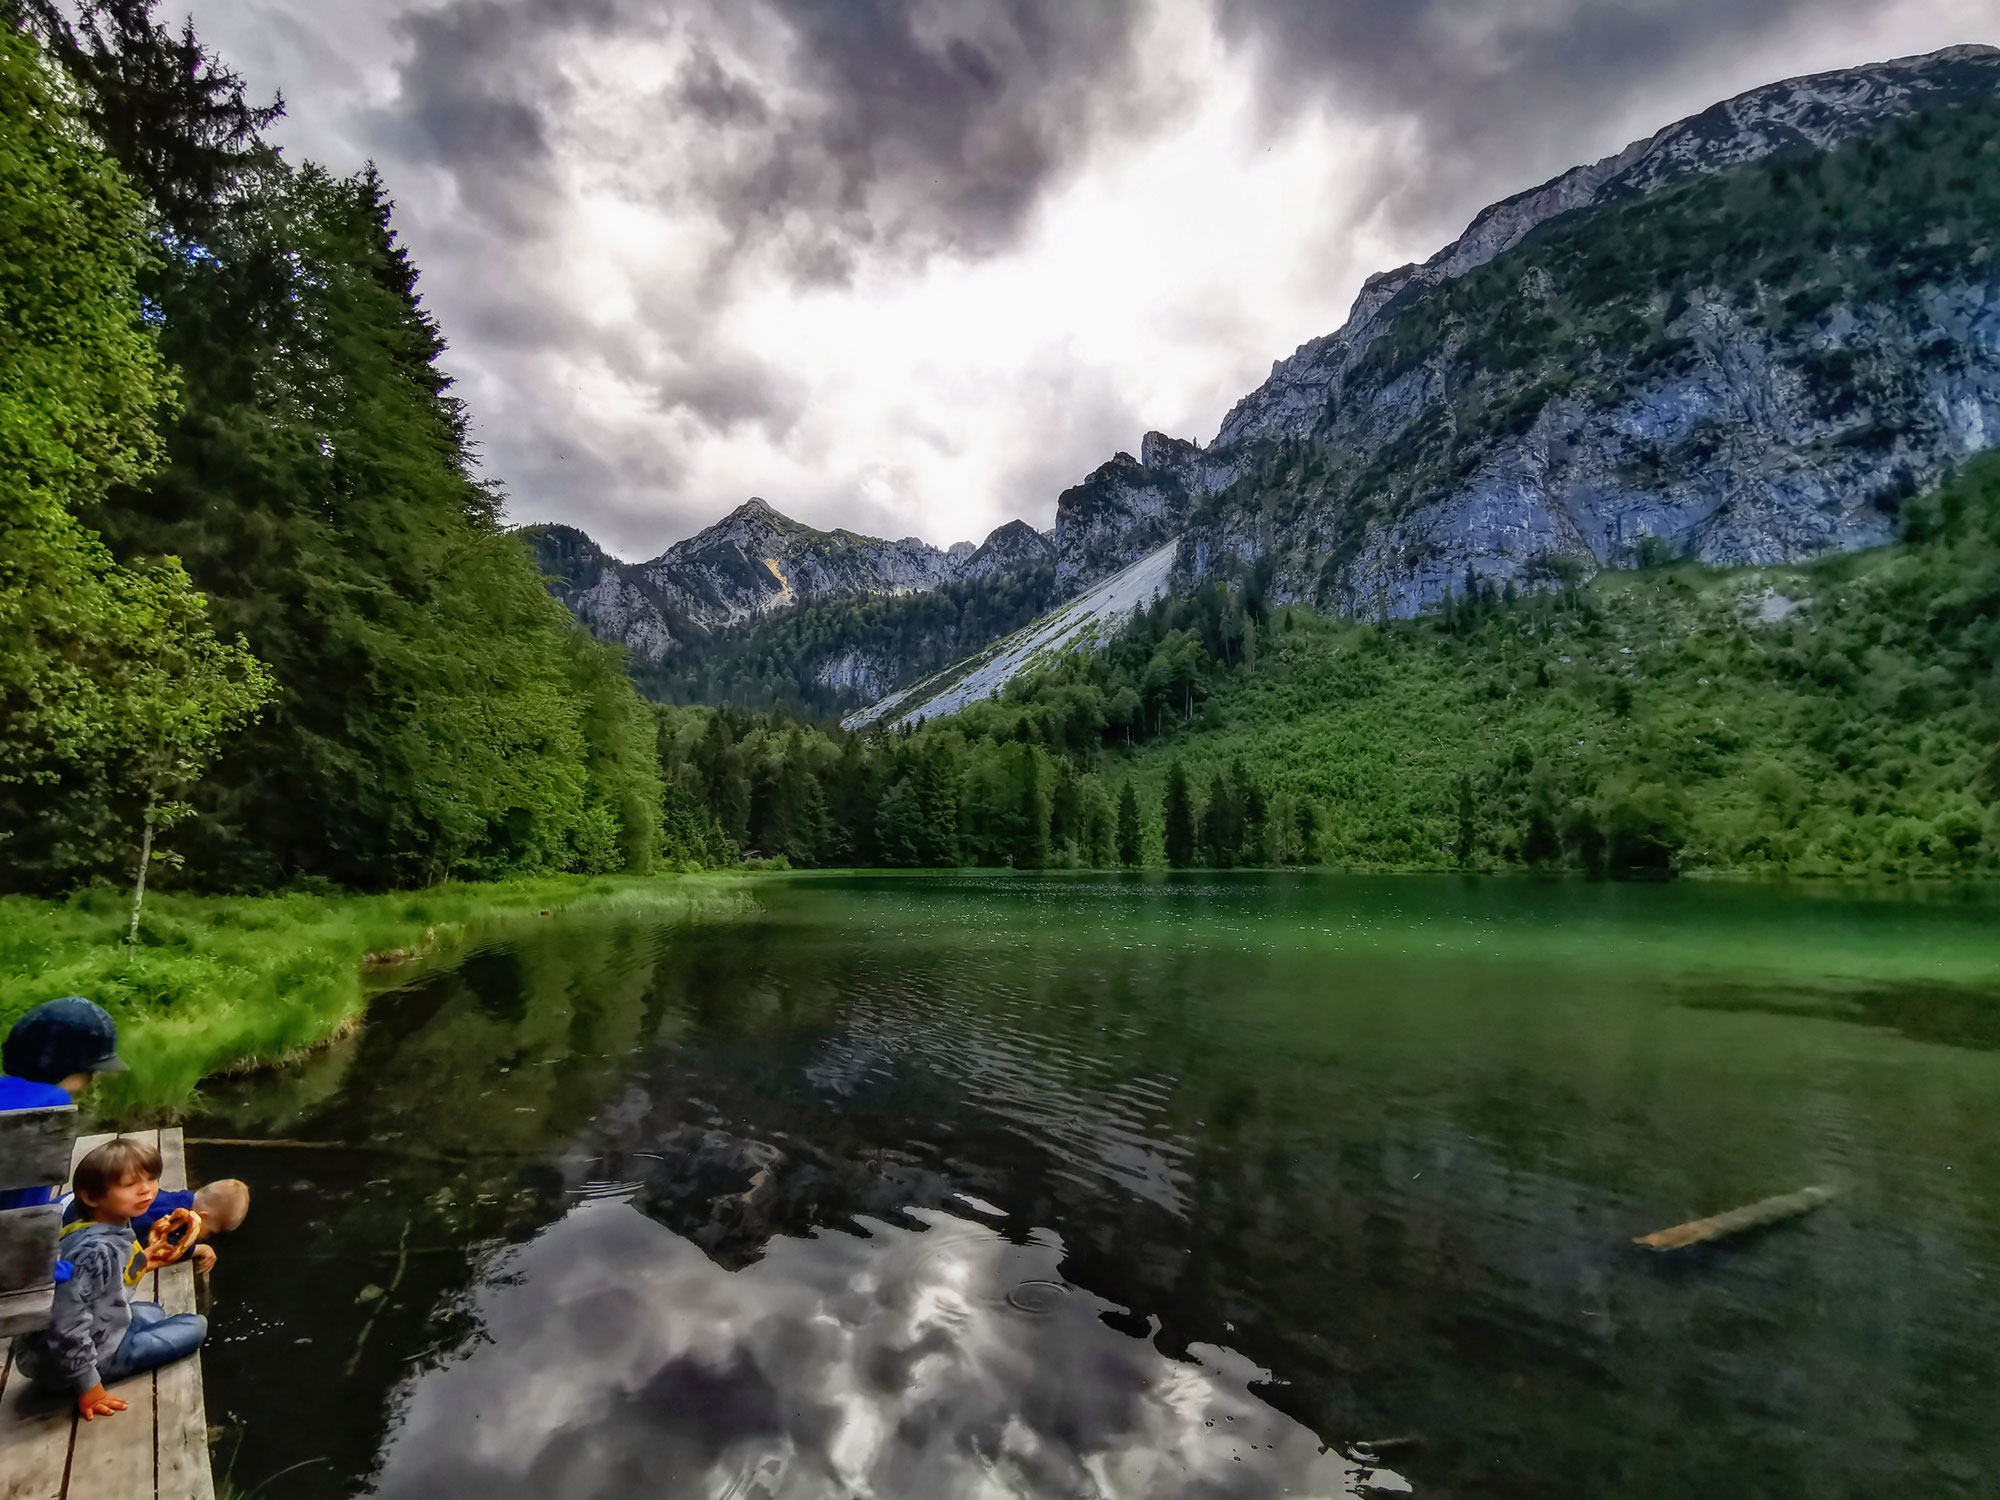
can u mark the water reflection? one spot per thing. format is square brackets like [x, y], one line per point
[940, 1360]
[618, 1201]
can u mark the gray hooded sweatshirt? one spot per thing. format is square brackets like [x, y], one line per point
[92, 1309]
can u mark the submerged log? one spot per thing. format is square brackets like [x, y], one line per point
[1753, 1216]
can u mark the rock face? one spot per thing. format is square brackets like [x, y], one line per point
[1013, 548]
[613, 599]
[755, 560]
[1124, 511]
[1562, 387]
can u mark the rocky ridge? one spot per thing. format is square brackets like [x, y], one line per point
[1372, 470]
[754, 561]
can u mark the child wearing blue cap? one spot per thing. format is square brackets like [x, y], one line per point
[51, 1056]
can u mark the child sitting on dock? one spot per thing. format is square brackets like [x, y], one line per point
[97, 1333]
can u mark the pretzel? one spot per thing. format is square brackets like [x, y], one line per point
[164, 1232]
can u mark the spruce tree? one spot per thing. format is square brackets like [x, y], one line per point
[1031, 837]
[936, 784]
[1128, 827]
[1221, 824]
[1178, 810]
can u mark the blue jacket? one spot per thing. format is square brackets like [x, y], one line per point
[92, 1311]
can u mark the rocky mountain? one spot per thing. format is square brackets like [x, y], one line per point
[613, 599]
[1013, 548]
[1743, 339]
[752, 562]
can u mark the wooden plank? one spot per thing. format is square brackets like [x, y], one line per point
[114, 1457]
[182, 1414]
[28, 1246]
[85, 1144]
[26, 1312]
[34, 1146]
[34, 1439]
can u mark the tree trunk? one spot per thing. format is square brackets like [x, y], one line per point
[145, 859]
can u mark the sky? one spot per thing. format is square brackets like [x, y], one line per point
[914, 269]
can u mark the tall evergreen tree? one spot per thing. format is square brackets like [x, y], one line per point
[437, 712]
[1178, 811]
[1031, 837]
[1222, 824]
[937, 797]
[1256, 811]
[1128, 826]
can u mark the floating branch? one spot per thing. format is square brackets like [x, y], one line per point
[1767, 1211]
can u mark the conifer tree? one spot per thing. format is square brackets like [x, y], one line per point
[1031, 837]
[1128, 826]
[1178, 810]
[1222, 824]
[437, 712]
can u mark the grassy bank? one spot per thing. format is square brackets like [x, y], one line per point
[217, 983]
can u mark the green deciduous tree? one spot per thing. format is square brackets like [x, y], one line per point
[113, 688]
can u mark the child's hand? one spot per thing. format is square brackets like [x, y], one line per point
[204, 1259]
[97, 1402]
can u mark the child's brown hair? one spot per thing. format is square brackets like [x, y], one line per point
[112, 1163]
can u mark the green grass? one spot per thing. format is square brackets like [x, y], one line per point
[226, 982]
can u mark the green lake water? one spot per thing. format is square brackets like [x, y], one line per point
[1075, 1186]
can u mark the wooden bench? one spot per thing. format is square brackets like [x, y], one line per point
[35, 1154]
[156, 1448]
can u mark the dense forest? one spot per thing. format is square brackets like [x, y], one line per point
[252, 585]
[815, 660]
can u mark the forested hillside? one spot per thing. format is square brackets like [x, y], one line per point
[819, 660]
[1835, 718]
[252, 584]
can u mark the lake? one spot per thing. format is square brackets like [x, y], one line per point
[1218, 1186]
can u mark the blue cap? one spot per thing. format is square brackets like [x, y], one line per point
[65, 1036]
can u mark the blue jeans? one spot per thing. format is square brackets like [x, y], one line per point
[154, 1339]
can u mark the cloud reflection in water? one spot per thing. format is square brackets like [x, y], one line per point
[941, 1362]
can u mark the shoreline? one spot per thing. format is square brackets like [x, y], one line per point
[241, 984]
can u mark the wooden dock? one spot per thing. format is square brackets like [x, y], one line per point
[157, 1449]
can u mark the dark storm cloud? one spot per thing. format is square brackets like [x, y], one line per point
[926, 128]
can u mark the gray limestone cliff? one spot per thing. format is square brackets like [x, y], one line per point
[1743, 339]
